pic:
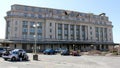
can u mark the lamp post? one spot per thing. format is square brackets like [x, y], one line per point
[73, 47]
[35, 56]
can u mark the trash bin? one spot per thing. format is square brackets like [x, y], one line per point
[35, 57]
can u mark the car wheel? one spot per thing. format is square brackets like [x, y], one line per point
[48, 53]
[5, 59]
[13, 59]
[51, 53]
[26, 58]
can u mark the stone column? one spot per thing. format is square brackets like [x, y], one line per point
[94, 47]
[69, 32]
[56, 31]
[100, 46]
[99, 34]
[80, 32]
[63, 31]
[74, 32]
[28, 46]
[86, 32]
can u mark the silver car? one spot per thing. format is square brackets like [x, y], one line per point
[2, 50]
[14, 55]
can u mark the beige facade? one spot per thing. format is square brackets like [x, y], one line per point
[57, 25]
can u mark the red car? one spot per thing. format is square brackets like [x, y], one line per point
[75, 53]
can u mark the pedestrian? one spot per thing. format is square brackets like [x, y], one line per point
[20, 56]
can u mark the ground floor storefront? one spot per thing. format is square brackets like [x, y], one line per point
[40, 46]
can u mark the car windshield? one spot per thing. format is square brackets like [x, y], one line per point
[48, 49]
[14, 52]
[2, 49]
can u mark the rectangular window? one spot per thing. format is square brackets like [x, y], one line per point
[72, 37]
[71, 27]
[77, 27]
[50, 24]
[31, 36]
[33, 9]
[90, 27]
[83, 36]
[39, 30]
[105, 34]
[83, 28]
[25, 22]
[39, 36]
[25, 8]
[8, 23]
[32, 15]
[83, 19]
[39, 16]
[15, 28]
[91, 38]
[16, 23]
[24, 30]
[50, 30]
[50, 36]
[25, 15]
[59, 31]
[66, 26]
[40, 24]
[59, 25]
[32, 30]
[24, 35]
[65, 31]
[97, 33]
[9, 14]
[66, 37]
[40, 10]
[8, 29]
[60, 37]
[90, 33]
[77, 32]
[32, 23]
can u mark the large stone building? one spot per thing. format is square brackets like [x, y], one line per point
[57, 29]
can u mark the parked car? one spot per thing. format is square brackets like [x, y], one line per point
[75, 53]
[14, 55]
[2, 50]
[49, 51]
[58, 50]
[65, 52]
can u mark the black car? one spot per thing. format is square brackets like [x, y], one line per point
[65, 52]
[49, 51]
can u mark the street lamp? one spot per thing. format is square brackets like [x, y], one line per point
[35, 56]
[73, 47]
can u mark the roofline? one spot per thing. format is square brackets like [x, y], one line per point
[56, 9]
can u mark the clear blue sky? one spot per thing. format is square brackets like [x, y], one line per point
[110, 7]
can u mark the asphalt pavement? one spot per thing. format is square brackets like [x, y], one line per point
[58, 61]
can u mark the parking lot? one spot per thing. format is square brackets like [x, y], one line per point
[58, 61]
